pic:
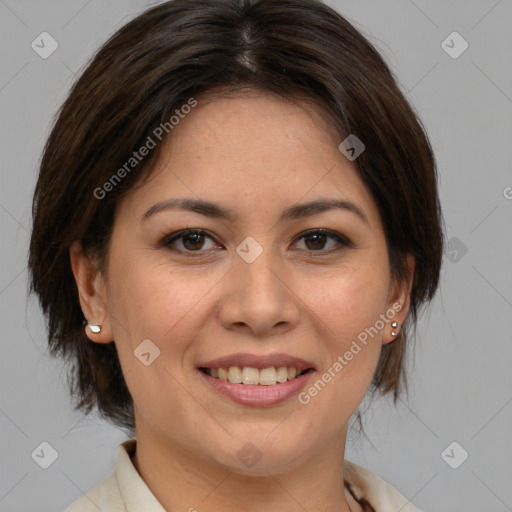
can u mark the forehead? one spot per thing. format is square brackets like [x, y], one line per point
[253, 152]
[250, 120]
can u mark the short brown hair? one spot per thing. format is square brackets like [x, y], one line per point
[182, 49]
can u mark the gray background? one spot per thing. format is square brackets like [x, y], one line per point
[460, 370]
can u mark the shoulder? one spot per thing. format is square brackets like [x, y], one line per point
[104, 496]
[123, 489]
[369, 486]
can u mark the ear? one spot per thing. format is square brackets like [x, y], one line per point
[91, 292]
[399, 302]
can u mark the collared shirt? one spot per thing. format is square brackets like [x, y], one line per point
[124, 490]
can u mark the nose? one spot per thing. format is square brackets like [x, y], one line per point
[259, 298]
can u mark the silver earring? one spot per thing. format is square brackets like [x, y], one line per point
[396, 328]
[94, 328]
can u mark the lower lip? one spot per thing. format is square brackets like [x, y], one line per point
[258, 395]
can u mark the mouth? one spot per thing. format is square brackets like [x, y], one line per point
[251, 376]
[256, 380]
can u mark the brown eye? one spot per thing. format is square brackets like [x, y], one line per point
[191, 240]
[317, 239]
[194, 240]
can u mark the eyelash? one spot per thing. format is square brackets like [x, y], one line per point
[343, 242]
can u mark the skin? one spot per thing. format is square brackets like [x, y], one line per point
[255, 154]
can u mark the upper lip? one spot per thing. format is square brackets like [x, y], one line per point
[257, 361]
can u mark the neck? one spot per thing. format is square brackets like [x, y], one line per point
[182, 479]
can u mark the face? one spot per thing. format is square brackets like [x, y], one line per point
[313, 285]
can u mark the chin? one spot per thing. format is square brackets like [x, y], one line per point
[259, 455]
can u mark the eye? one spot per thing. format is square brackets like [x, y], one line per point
[316, 240]
[192, 240]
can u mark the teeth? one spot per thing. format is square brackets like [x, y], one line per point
[282, 374]
[268, 377]
[252, 376]
[249, 376]
[235, 375]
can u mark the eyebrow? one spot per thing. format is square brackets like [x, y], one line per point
[210, 209]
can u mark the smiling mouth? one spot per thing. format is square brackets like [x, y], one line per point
[253, 376]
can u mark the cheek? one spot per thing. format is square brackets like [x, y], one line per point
[349, 301]
[155, 301]
[348, 306]
[149, 301]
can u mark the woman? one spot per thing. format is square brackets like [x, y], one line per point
[236, 223]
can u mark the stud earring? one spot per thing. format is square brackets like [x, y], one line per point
[396, 328]
[94, 328]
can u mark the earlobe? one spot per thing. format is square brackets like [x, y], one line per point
[91, 294]
[399, 303]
